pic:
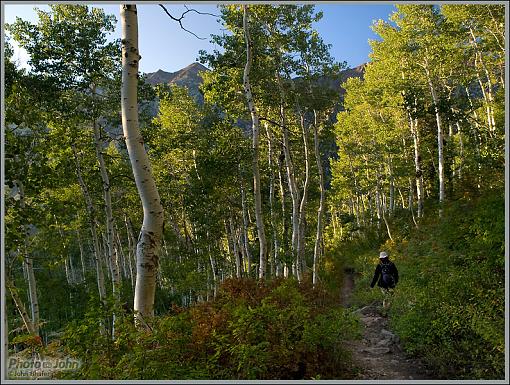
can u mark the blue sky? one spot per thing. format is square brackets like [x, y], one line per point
[163, 45]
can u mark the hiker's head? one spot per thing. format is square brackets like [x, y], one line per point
[383, 256]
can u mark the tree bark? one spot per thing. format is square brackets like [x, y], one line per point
[149, 240]
[255, 146]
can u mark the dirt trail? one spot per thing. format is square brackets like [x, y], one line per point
[378, 355]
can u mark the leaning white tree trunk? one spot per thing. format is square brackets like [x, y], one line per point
[19, 305]
[486, 89]
[256, 130]
[32, 287]
[149, 240]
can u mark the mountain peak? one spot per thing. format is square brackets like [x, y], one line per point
[160, 72]
[188, 77]
[195, 66]
[181, 77]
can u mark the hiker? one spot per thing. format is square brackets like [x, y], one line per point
[386, 276]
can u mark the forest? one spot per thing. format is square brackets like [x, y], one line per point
[152, 235]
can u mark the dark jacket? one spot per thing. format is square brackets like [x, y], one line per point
[378, 274]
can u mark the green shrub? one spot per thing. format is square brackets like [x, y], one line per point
[253, 330]
[449, 304]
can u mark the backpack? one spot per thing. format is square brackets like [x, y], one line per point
[387, 277]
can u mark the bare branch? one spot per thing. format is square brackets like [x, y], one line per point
[179, 19]
[200, 13]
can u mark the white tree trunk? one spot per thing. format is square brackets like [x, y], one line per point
[487, 93]
[381, 205]
[119, 251]
[411, 202]
[320, 212]
[32, 289]
[285, 227]
[291, 179]
[92, 224]
[110, 234]
[300, 261]
[232, 245]
[82, 257]
[245, 229]
[131, 251]
[255, 146]
[149, 240]
[214, 275]
[417, 164]
[276, 246]
[413, 124]
[475, 128]
[392, 185]
[105, 254]
[440, 155]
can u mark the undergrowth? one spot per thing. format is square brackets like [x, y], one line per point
[253, 330]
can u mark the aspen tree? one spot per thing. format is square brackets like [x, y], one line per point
[256, 133]
[149, 240]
